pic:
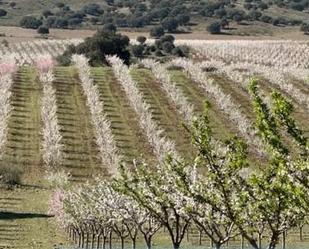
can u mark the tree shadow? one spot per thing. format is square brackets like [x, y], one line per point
[17, 216]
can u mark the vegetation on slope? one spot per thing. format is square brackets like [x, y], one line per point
[172, 16]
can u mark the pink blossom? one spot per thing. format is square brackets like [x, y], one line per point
[56, 205]
[44, 63]
[7, 66]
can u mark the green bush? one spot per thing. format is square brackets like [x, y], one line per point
[43, 30]
[137, 51]
[3, 12]
[97, 47]
[141, 39]
[30, 22]
[157, 31]
[214, 28]
[168, 46]
[305, 28]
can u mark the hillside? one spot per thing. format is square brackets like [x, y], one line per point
[236, 17]
[24, 218]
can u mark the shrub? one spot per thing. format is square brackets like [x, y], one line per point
[43, 30]
[167, 38]
[183, 19]
[170, 24]
[185, 50]
[141, 39]
[158, 53]
[109, 28]
[30, 22]
[5, 43]
[3, 12]
[214, 27]
[304, 28]
[61, 23]
[12, 4]
[47, 13]
[93, 9]
[137, 51]
[94, 20]
[266, 19]
[167, 47]
[157, 31]
[97, 47]
[254, 15]
[60, 5]
[75, 21]
[177, 52]
[50, 21]
[10, 174]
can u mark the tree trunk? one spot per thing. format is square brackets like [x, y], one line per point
[242, 242]
[74, 236]
[122, 242]
[133, 243]
[200, 238]
[98, 241]
[283, 240]
[92, 240]
[148, 243]
[79, 239]
[301, 233]
[217, 245]
[188, 234]
[110, 240]
[260, 241]
[176, 245]
[87, 240]
[104, 242]
[83, 239]
[274, 241]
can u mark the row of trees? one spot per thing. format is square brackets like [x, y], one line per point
[51, 146]
[102, 126]
[220, 192]
[8, 66]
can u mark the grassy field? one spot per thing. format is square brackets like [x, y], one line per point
[24, 219]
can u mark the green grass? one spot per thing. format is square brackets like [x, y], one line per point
[164, 113]
[24, 222]
[130, 140]
[24, 138]
[81, 156]
[197, 97]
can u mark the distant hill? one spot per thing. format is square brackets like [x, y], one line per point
[174, 15]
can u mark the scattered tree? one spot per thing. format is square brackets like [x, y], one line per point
[214, 27]
[3, 12]
[157, 31]
[43, 30]
[30, 22]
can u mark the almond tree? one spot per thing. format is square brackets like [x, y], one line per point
[51, 146]
[268, 201]
[102, 126]
[161, 145]
[7, 69]
[154, 190]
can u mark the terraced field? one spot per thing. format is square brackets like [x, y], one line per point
[24, 219]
